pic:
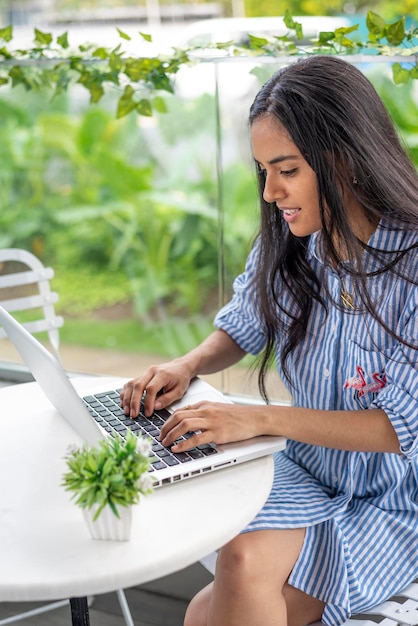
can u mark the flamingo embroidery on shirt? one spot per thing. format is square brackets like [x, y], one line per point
[360, 384]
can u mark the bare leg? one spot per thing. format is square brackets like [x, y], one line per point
[250, 584]
[301, 608]
[197, 611]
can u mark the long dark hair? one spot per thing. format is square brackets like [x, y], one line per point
[338, 122]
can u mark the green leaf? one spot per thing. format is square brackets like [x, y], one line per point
[63, 78]
[413, 72]
[160, 80]
[146, 36]
[288, 19]
[400, 74]
[325, 37]
[85, 47]
[99, 510]
[347, 43]
[395, 33]
[6, 33]
[44, 39]
[92, 465]
[18, 77]
[375, 24]
[135, 69]
[100, 53]
[96, 92]
[144, 107]
[114, 509]
[290, 23]
[126, 102]
[92, 81]
[256, 43]
[5, 53]
[123, 35]
[116, 480]
[62, 41]
[115, 62]
[346, 30]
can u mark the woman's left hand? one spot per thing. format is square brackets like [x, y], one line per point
[211, 422]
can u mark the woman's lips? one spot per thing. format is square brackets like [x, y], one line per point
[289, 215]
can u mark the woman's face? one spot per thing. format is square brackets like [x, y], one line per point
[290, 182]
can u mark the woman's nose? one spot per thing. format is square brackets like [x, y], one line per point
[272, 190]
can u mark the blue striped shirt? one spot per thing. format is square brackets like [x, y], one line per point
[360, 509]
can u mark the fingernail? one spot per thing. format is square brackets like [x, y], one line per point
[158, 404]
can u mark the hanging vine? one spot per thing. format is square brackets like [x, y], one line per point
[52, 64]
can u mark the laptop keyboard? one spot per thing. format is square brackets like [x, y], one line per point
[106, 410]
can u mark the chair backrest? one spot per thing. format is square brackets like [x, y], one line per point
[24, 285]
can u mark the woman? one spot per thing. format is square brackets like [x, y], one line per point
[330, 291]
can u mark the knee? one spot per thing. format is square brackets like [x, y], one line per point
[197, 610]
[238, 560]
[260, 558]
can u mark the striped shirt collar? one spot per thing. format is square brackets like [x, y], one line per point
[386, 237]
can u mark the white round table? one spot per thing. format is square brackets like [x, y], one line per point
[46, 549]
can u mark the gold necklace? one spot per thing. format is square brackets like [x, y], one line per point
[345, 296]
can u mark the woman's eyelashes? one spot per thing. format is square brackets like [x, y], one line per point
[260, 170]
[287, 173]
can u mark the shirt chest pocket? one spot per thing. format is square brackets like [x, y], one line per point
[364, 374]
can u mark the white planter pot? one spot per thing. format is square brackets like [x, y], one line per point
[108, 526]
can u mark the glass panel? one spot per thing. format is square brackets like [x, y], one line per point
[153, 215]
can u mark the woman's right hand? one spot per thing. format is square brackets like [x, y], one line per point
[164, 384]
[161, 384]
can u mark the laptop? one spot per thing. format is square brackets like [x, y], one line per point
[99, 415]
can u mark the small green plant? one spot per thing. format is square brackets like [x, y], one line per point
[115, 473]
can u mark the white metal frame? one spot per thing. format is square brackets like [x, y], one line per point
[33, 273]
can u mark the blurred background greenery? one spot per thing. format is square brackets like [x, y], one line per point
[147, 220]
[127, 215]
[250, 8]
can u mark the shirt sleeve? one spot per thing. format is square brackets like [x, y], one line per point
[399, 398]
[240, 318]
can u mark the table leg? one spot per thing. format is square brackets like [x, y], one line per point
[79, 612]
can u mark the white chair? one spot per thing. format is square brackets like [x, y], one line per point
[25, 286]
[400, 610]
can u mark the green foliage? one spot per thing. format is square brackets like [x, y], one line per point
[140, 81]
[255, 8]
[384, 39]
[86, 289]
[115, 473]
[394, 39]
[125, 216]
[393, 10]
[401, 103]
[55, 65]
[117, 216]
[167, 337]
[130, 212]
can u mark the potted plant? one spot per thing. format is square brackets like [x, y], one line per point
[107, 480]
